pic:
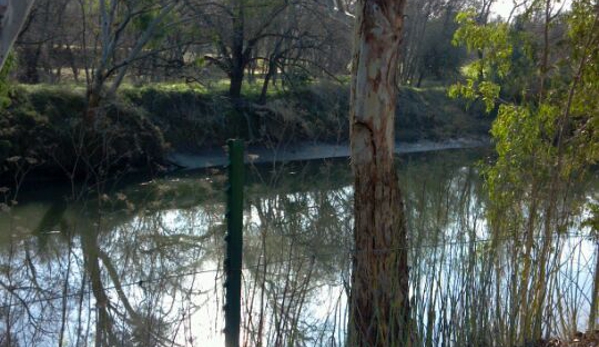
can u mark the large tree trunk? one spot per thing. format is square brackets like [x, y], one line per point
[379, 306]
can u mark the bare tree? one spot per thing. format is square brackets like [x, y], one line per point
[115, 18]
[46, 44]
[236, 33]
[12, 18]
[275, 33]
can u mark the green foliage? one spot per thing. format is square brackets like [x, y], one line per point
[541, 138]
[437, 57]
[494, 50]
[593, 221]
[545, 139]
[143, 20]
[5, 85]
[297, 77]
[44, 124]
[190, 118]
[489, 41]
[141, 23]
[42, 120]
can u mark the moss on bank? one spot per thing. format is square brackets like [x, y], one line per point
[41, 127]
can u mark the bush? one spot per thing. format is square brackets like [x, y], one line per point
[188, 119]
[43, 130]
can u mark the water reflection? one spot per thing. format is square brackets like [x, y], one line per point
[140, 266]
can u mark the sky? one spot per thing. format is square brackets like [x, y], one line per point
[504, 7]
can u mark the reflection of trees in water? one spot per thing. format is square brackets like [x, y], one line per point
[298, 238]
[111, 283]
[139, 272]
[479, 293]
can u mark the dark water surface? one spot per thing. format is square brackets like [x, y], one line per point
[140, 264]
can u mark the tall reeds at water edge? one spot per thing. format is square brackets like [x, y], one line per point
[472, 282]
[150, 254]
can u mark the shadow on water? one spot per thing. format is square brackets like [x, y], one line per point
[141, 265]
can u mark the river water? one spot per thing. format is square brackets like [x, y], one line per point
[139, 263]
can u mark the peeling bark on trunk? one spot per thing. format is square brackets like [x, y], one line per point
[379, 312]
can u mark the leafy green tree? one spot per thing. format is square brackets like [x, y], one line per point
[545, 139]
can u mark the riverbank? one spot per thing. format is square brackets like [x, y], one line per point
[311, 151]
[43, 132]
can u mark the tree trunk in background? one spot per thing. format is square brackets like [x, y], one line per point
[379, 305]
[236, 79]
[32, 58]
[12, 15]
[238, 61]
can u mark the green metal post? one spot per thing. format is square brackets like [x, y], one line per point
[234, 242]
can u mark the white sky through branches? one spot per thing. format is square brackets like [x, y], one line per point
[504, 7]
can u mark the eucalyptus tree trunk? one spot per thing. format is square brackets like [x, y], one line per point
[379, 306]
[12, 16]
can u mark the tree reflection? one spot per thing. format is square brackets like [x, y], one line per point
[141, 266]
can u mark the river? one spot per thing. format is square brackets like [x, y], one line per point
[139, 261]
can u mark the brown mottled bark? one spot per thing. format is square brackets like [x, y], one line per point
[379, 306]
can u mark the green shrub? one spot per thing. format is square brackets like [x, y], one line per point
[43, 128]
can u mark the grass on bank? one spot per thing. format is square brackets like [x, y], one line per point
[143, 122]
